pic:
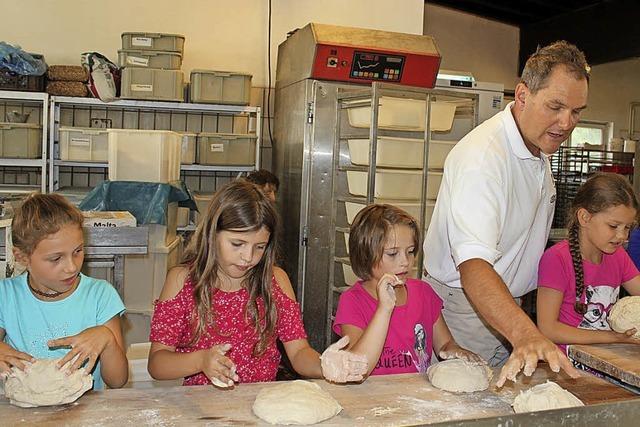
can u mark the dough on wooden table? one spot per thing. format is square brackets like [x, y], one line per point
[295, 402]
[544, 396]
[43, 384]
[625, 315]
[457, 375]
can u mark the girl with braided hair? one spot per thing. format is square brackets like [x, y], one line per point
[579, 279]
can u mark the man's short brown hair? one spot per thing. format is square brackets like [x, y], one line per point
[369, 232]
[542, 62]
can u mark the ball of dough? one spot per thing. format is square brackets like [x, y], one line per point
[543, 397]
[457, 375]
[43, 384]
[295, 402]
[625, 315]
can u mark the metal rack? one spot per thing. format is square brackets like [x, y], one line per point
[33, 172]
[572, 166]
[126, 114]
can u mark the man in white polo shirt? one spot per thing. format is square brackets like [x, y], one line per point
[494, 211]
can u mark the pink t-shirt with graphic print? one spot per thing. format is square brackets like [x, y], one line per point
[410, 336]
[602, 284]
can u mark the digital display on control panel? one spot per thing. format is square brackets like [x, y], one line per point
[376, 66]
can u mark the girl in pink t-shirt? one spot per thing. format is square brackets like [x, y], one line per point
[579, 279]
[220, 313]
[392, 319]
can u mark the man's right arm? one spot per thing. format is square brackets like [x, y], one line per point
[491, 297]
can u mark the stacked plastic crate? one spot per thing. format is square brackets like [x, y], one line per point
[151, 66]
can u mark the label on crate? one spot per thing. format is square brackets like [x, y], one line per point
[216, 148]
[136, 60]
[142, 41]
[141, 88]
[80, 141]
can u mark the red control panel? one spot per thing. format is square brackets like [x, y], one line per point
[362, 65]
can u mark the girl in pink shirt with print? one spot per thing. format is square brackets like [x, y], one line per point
[391, 318]
[579, 279]
[220, 313]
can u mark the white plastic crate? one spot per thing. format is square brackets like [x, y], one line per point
[220, 87]
[161, 236]
[153, 41]
[183, 217]
[84, 144]
[20, 140]
[202, 202]
[226, 149]
[188, 152]
[405, 114]
[398, 184]
[400, 152]
[144, 155]
[139, 377]
[150, 59]
[152, 84]
[144, 275]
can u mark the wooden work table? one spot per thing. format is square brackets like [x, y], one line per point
[620, 361]
[406, 399]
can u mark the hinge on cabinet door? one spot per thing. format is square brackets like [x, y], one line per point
[310, 107]
[305, 239]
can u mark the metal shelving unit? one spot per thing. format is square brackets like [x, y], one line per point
[128, 114]
[39, 103]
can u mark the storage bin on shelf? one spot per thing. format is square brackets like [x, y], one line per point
[144, 155]
[226, 149]
[20, 140]
[220, 87]
[149, 59]
[153, 41]
[202, 202]
[144, 275]
[139, 377]
[405, 114]
[161, 235]
[152, 84]
[412, 209]
[400, 152]
[395, 184]
[188, 151]
[84, 144]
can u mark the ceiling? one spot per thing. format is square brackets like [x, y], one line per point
[517, 12]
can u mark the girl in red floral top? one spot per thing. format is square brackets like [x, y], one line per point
[220, 313]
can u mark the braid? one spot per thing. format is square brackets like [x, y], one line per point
[574, 248]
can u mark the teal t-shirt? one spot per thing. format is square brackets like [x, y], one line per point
[29, 323]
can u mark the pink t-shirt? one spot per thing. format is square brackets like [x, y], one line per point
[602, 284]
[171, 325]
[410, 335]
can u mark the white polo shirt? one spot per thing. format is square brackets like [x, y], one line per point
[495, 203]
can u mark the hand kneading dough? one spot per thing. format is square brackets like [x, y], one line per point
[43, 384]
[625, 315]
[543, 397]
[295, 402]
[457, 375]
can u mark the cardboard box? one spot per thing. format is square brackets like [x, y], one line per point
[108, 219]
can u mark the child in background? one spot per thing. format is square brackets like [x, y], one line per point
[266, 181]
[392, 319]
[52, 306]
[219, 314]
[579, 279]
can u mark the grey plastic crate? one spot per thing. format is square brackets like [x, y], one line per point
[220, 87]
[152, 84]
[20, 140]
[150, 59]
[84, 144]
[225, 149]
[153, 41]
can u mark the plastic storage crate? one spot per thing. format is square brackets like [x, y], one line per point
[220, 87]
[84, 144]
[144, 275]
[152, 84]
[188, 153]
[150, 59]
[20, 140]
[160, 235]
[153, 41]
[398, 184]
[412, 209]
[224, 149]
[400, 152]
[12, 81]
[144, 155]
[202, 202]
